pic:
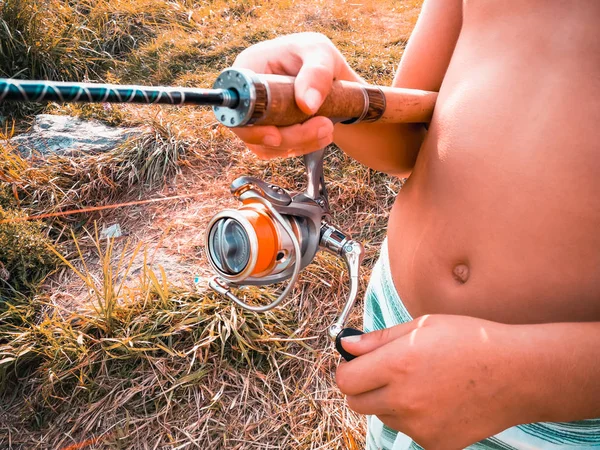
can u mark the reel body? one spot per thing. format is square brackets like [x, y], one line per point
[252, 245]
[274, 234]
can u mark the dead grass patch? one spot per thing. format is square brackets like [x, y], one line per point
[140, 358]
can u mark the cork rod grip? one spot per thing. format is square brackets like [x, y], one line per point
[347, 101]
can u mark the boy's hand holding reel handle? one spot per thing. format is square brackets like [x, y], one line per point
[296, 87]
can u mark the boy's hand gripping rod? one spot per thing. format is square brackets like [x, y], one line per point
[240, 97]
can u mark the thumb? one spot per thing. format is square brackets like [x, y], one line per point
[365, 343]
[314, 80]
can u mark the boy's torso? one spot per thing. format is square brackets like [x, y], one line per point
[500, 218]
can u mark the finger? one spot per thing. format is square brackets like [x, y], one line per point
[368, 342]
[307, 137]
[265, 152]
[269, 142]
[261, 135]
[300, 139]
[376, 402]
[257, 58]
[314, 80]
[287, 150]
[316, 130]
[368, 372]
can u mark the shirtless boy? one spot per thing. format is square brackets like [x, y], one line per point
[494, 242]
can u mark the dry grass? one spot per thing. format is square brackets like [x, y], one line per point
[58, 182]
[141, 360]
[155, 365]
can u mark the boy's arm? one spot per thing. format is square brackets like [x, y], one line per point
[563, 370]
[316, 63]
[394, 148]
[472, 376]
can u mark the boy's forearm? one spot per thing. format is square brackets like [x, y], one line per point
[560, 365]
[389, 148]
[394, 148]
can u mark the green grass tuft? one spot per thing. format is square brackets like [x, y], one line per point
[24, 256]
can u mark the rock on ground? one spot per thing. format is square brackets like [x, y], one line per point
[64, 134]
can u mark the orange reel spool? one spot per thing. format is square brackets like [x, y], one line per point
[266, 233]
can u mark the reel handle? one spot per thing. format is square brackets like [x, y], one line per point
[266, 99]
[353, 253]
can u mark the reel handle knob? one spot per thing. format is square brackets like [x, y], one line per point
[338, 342]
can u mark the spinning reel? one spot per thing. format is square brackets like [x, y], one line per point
[273, 235]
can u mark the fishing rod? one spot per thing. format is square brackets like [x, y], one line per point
[240, 97]
[274, 233]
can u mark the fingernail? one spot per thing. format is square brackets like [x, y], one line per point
[270, 140]
[313, 99]
[352, 339]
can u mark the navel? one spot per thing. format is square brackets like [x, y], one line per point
[461, 273]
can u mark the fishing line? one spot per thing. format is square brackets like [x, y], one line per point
[97, 208]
